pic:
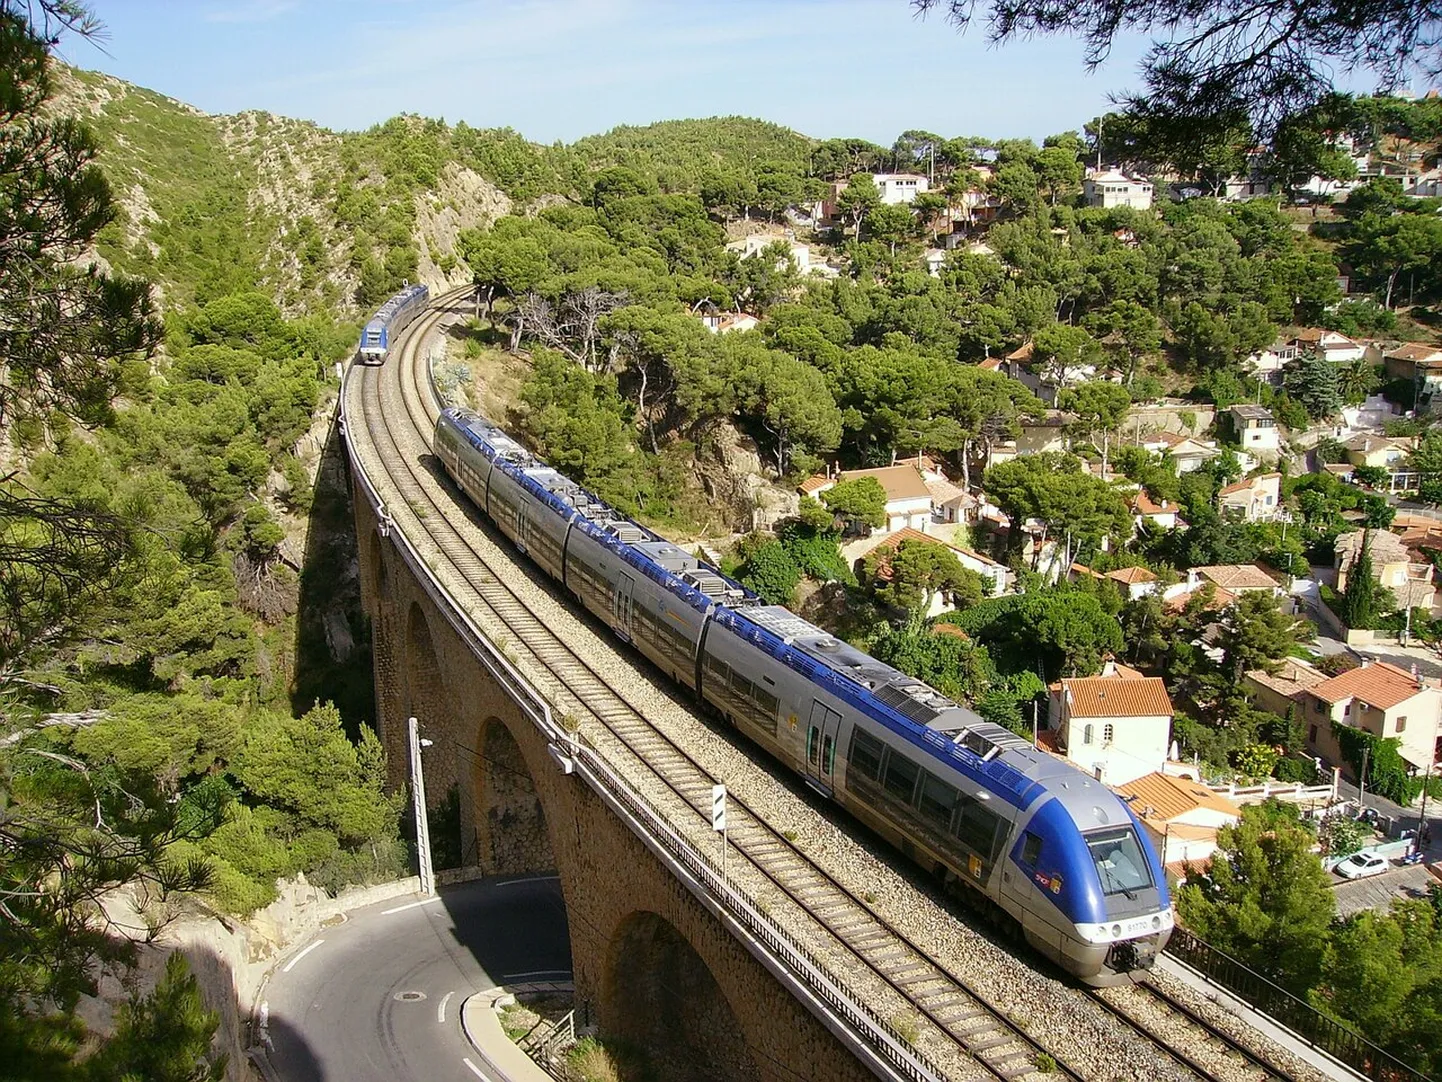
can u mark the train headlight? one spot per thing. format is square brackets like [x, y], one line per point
[1157, 921]
[1116, 930]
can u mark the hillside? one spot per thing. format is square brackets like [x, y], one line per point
[330, 223]
[326, 223]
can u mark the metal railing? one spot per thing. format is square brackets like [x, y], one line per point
[870, 1035]
[1317, 1029]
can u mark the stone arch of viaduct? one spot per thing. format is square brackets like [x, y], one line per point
[650, 962]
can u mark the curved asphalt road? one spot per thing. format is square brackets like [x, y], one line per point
[379, 996]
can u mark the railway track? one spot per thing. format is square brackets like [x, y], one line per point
[952, 1021]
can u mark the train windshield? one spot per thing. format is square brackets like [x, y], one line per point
[1121, 865]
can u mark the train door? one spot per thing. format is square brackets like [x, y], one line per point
[621, 606]
[523, 537]
[821, 745]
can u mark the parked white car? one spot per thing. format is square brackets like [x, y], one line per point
[1361, 866]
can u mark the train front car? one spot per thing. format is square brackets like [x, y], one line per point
[374, 341]
[1084, 874]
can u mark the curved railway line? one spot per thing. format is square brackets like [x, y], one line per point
[955, 1027]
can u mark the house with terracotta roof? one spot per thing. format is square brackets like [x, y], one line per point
[1416, 362]
[1255, 499]
[1280, 692]
[1372, 450]
[1235, 578]
[994, 575]
[1181, 816]
[1332, 345]
[1187, 452]
[1161, 513]
[1383, 699]
[1114, 727]
[1133, 582]
[908, 500]
[1409, 576]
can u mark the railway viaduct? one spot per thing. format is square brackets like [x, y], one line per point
[656, 961]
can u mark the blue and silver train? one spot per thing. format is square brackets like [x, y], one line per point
[386, 325]
[1044, 847]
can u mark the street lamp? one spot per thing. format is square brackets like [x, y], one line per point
[418, 801]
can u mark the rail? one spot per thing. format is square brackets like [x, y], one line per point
[1317, 1029]
[873, 1038]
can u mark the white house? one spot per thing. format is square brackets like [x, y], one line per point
[994, 575]
[1181, 816]
[1115, 727]
[1256, 428]
[1332, 345]
[1187, 452]
[1256, 499]
[908, 501]
[1268, 363]
[900, 187]
[1114, 189]
[726, 322]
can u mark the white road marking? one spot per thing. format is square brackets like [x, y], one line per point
[476, 1070]
[528, 879]
[291, 964]
[540, 973]
[408, 905]
[441, 1010]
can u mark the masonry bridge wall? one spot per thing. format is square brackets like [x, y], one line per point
[651, 963]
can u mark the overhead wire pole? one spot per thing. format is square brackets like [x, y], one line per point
[418, 801]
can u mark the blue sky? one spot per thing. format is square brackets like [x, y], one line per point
[560, 69]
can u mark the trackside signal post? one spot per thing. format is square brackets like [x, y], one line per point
[718, 820]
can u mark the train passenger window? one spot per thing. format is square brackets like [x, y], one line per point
[976, 826]
[937, 799]
[828, 754]
[1030, 848]
[901, 775]
[865, 754]
[767, 702]
[813, 742]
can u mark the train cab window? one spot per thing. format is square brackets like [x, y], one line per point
[1030, 848]
[937, 800]
[901, 775]
[1119, 862]
[865, 757]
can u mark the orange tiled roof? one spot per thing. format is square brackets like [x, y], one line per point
[1414, 351]
[1022, 352]
[1143, 504]
[1379, 684]
[1161, 797]
[1220, 599]
[1237, 576]
[991, 364]
[1291, 678]
[901, 482]
[1110, 697]
[813, 483]
[1131, 575]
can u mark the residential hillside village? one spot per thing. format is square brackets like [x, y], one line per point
[1258, 556]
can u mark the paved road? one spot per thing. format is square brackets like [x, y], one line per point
[379, 996]
[1377, 893]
